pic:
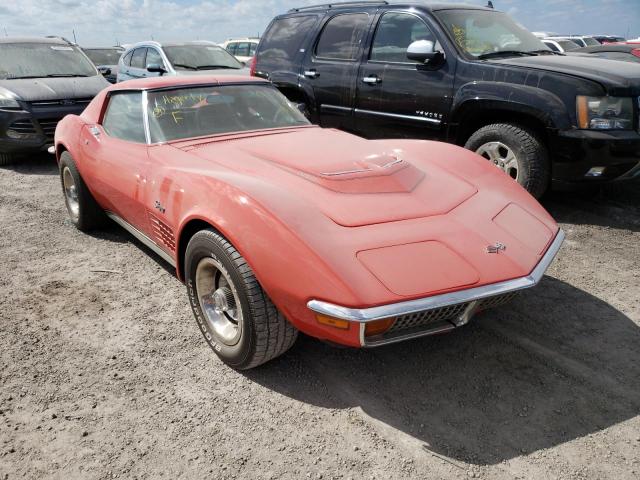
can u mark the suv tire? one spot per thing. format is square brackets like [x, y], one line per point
[517, 151]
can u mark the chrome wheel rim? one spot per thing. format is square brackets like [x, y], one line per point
[502, 157]
[70, 193]
[219, 301]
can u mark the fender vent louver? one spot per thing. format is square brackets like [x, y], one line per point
[162, 233]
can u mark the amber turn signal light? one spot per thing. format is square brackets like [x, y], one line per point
[333, 322]
[378, 327]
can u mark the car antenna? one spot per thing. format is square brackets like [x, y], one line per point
[489, 4]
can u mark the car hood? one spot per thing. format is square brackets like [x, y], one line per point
[32, 89]
[621, 78]
[353, 181]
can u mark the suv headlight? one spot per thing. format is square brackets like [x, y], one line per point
[605, 113]
[8, 100]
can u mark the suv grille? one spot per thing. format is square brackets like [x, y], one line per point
[48, 126]
[23, 126]
[64, 102]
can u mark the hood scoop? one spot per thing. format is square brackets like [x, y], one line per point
[364, 173]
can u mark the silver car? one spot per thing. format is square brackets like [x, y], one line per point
[153, 59]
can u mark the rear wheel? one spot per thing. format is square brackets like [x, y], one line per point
[517, 151]
[236, 317]
[83, 210]
[6, 159]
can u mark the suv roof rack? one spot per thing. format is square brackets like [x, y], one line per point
[340, 4]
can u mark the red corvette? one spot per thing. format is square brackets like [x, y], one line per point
[278, 226]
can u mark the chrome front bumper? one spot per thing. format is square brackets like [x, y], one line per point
[438, 313]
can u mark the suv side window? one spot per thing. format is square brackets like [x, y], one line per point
[243, 49]
[154, 58]
[283, 40]
[231, 48]
[123, 118]
[137, 59]
[252, 49]
[395, 32]
[340, 39]
[127, 59]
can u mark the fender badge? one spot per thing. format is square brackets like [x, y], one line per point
[496, 247]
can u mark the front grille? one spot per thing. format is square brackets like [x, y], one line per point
[448, 313]
[24, 126]
[48, 126]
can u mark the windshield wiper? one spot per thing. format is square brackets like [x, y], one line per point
[181, 65]
[50, 75]
[506, 52]
[212, 67]
[544, 51]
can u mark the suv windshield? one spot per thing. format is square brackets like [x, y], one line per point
[104, 56]
[201, 111]
[479, 33]
[200, 57]
[38, 60]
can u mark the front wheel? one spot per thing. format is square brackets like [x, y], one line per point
[517, 151]
[236, 317]
[84, 211]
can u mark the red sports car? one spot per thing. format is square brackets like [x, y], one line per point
[278, 226]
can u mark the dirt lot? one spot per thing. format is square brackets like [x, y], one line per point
[103, 374]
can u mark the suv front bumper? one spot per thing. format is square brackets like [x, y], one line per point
[587, 157]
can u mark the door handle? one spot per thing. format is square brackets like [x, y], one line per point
[311, 74]
[372, 80]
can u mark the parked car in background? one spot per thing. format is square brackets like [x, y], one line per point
[278, 226]
[41, 81]
[463, 74]
[560, 45]
[153, 59]
[106, 60]
[242, 48]
[580, 40]
[614, 51]
[603, 39]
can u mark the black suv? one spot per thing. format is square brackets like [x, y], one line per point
[466, 75]
[41, 81]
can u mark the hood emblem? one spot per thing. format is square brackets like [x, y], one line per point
[496, 247]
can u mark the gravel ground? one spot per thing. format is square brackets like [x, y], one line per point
[103, 373]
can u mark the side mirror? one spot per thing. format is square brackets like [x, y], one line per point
[422, 51]
[105, 70]
[155, 68]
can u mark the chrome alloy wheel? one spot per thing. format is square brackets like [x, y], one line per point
[502, 157]
[219, 301]
[70, 193]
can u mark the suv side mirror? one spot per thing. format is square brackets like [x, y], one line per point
[156, 68]
[422, 51]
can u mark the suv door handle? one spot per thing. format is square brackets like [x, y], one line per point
[311, 73]
[372, 80]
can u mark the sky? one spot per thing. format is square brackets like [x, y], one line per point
[105, 22]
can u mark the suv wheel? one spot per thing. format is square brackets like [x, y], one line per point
[517, 151]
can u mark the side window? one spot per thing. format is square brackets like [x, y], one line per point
[252, 49]
[395, 32]
[284, 39]
[243, 49]
[123, 118]
[552, 46]
[153, 57]
[137, 59]
[231, 48]
[341, 37]
[127, 59]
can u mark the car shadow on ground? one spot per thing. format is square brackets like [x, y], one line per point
[40, 164]
[555, 365]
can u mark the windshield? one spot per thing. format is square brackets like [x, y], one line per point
[480, 32]
[201, 111]
[200, 57]
[568, 44]
[104, 56]
[38, 60]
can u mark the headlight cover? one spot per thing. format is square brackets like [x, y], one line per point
[605, 113]
[8, 100]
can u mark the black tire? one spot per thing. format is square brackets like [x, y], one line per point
[531, 154]
[89, 215]
[264, 332]
[6, 159]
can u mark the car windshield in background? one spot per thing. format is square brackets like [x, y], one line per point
[39, 60]
[590, 42]
[202, 111]
[104, 56]
[568, 45]
[484, 34]
[200, 57]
